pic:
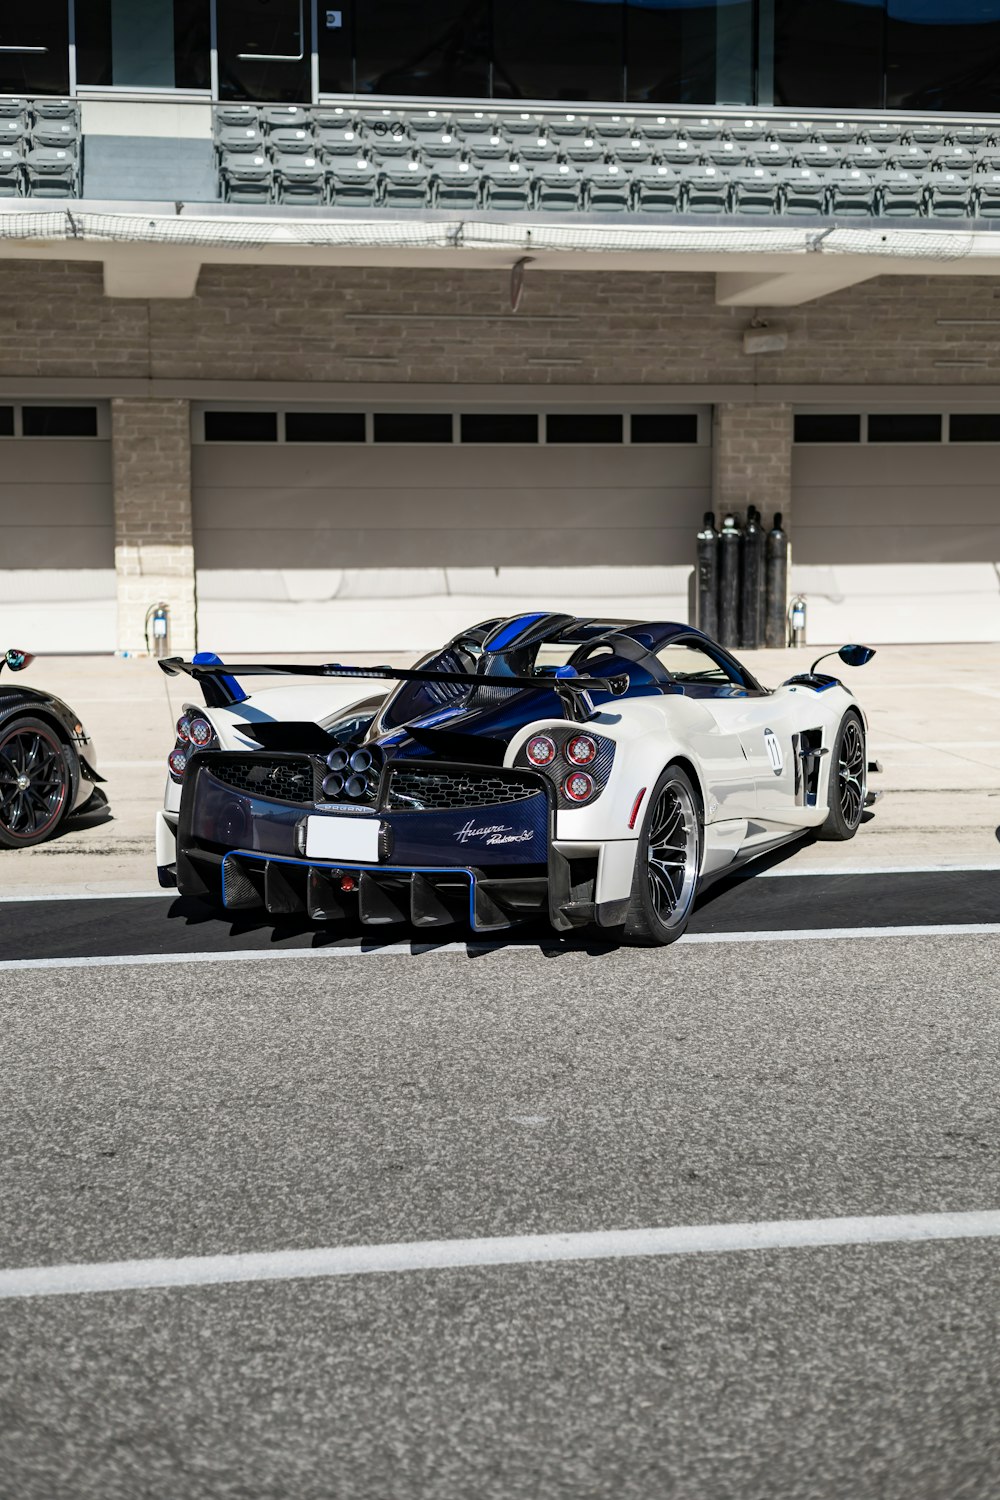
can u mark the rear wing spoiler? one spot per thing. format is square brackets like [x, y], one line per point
[222, 690]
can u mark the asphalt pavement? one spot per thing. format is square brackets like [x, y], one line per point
[176, 1108]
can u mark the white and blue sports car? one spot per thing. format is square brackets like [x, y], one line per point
[587, 771]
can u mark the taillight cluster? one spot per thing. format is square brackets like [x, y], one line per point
[194, 732]
[578, 763]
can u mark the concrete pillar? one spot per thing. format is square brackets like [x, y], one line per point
[752, 459]
[154, 549]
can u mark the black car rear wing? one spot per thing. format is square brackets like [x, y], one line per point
[218, 682]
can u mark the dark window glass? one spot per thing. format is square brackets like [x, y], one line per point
[828, 53]
[680, 53]
[35, 43]
[664, 427]
[499, 427]
[264, 50]
[559, 49]
[325, 426]
[435, 47]
[833, 428]
[905, 427]
[59, 421]
[6, 421]
[335, 45]
[943, 54]
[241, 427]
[583, 427]
[975, 427]
[144, 43]
[412, 427]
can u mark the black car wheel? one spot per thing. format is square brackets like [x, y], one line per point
[35, 783]
[848, 780]
[667, 863]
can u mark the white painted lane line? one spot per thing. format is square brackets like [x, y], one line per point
[31, 900]
[513, 1250]
[795, 871]
[418, 950]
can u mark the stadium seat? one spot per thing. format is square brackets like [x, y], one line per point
[13, 130]
[747, 130]
[791, 132]
[583, 150]
[292, 140]
[339, 140]
[333, 117]
[556, 187]
[404, 184]
[852, 193]
[633, 149]
[972, 135]
[236, 116]
[756, 190]
[246, 178]
[562, 127]
[706, 190]
[427, 122]
[834, 132]
[949, 196]
[900, 193]
[608, 188]
[988, 158]
[51, 172]
[536, 148]
[522, 124]
[55, 133]
[953, 158]
[819, 154]
[724, 153]
[443, 147]
[12, 108]
[352, 184]
[678, 150]
[656, 189]
[769, 154]
[910, 155]
[385, 125]
[285, 117]
[11, 172]
[456, 185]
[57, 109]
[235, 138]
[926, 133]
[475, 124]
[494, 147]
[803, 191]
[882, 133]
[299, 179]
[986, 196]
[703, 129]
[611, 128]
[506, 186]
[867, 155]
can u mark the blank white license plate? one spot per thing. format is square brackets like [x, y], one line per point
[350, 839]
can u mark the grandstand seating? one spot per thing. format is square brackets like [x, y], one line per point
[686, 164]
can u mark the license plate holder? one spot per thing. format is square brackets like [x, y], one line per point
[352, 840]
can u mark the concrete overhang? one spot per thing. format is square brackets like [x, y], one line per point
[156, 251]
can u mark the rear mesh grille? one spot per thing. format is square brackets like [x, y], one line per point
[427, 790]
[288, 780]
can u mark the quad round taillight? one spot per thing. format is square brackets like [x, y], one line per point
[581, 750]
[541, 750]
[578, 786]
[177, 761]
[200, 733]
[183, 727]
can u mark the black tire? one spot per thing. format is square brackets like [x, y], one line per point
[36, 782]
[664, 888]
[848, 780]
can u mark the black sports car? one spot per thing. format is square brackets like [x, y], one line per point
[47, 764]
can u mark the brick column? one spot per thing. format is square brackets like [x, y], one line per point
[752, 459]
[154, 550]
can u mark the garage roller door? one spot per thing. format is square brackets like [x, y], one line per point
[375, 544]
[57, 567]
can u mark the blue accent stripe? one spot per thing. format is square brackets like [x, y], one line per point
[511, 631]
[209, 659]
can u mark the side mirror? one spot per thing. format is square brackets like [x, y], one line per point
[16, 661]
[856, 656]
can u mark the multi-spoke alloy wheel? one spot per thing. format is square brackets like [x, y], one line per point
[34, 783]
[668, 861]
[848, 780]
